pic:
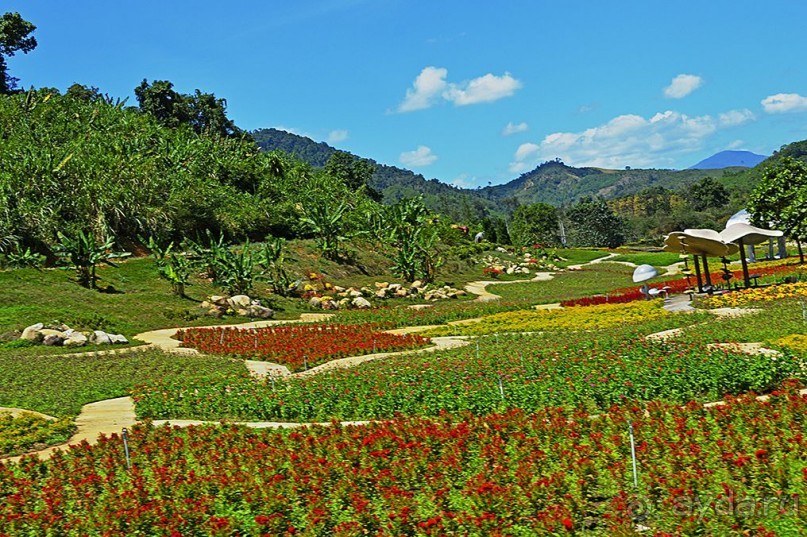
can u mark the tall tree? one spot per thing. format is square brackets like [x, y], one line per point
[780, 199]
[355, 172]
[593, 223]
[707, 194]
[202, 111]
[536, 223]
[15, 36]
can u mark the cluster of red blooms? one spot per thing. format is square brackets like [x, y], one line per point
[678, 285]
[296, 346]
[701, 471]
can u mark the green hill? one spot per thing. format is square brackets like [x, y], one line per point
[461, 205]
[552, 182]
[556, 183]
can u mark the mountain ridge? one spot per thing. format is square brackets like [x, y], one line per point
[551, 182]
[728, 159]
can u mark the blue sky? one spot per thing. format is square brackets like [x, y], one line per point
[469, 92]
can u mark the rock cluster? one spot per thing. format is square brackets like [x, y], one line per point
[351, 297]
[443, 293]
[526, 266]
[63, 336]
[218, 306]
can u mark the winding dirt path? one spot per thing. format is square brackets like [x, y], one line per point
[478, 288]
[112, 415]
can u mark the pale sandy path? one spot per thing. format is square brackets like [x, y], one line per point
[102, 417]
[112, 415]
[478, 288]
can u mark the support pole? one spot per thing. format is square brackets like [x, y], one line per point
[698, 272]
[746, 278]
[706, 271]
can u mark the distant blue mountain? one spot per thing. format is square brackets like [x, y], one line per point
[728, 159]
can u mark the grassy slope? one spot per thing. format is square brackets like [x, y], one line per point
[59, 386]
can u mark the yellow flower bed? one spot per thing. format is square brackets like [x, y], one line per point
[760, 294]
[797, 342]
[573, 318]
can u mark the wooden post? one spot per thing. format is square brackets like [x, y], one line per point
[698, 272]
[706, 271]
[746, 278]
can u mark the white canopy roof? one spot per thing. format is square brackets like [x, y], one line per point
[706, 242]
[748, 233]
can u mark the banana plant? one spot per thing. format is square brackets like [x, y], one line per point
[271, 258]
[171, 266]
[82, 252]
[326, 222]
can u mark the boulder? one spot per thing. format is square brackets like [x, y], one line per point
[417, 284]
[261, 312]
[240, 302]
[52, 332]
[339, 289]
[219, 300]
[381, 285]
[344, 303]
[400, 293]
[54, 340]
[381, 293]
[32, 332]
[361, 303]
[76, 339]
[118, 339]
[315, 302]
[354, 293]
[394, 287]
[99, 337]
[243, 312]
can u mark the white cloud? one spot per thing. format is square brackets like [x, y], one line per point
[422, 156]
[485, 89]
[336, 136]
[734, 118]
[514, 128]
[431, 86]
[428, 86]
[682, 85]
[627, 140]
[784, 102]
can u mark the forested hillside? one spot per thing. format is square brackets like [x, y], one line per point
[80, 161]
[393, 183]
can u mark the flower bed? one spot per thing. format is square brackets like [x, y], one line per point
[593, 371]
[566, 319]
[757, 294]
[736, 469]
[297, 346]
[679, 285]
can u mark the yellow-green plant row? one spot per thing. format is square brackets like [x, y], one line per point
[574, 318]
[760, 294]
[796, 342]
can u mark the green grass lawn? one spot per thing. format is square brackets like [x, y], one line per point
[60, 386]
[578, 256]
[141, 301]
[595, 279]
[657, 259]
